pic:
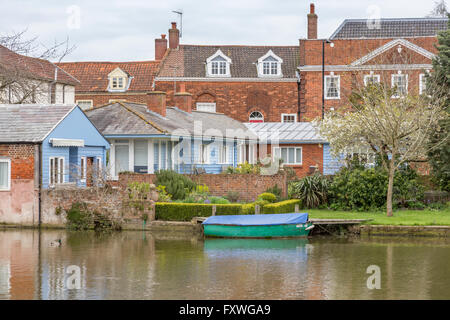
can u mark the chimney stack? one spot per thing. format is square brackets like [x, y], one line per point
[160, 47]
[312, 23]
[156, 102]
[174, 36]
[183, 101]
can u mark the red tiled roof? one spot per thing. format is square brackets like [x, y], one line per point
[94, 75]
[33, 68]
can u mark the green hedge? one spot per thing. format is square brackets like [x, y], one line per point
[287, 206]
[172, 211]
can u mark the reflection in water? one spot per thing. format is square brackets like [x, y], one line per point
[135, 265]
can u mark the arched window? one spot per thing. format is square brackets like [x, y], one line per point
[256, 116]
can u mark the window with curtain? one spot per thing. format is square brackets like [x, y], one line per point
[332, 87]
[140, 153]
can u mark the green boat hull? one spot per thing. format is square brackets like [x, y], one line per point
[267, 231]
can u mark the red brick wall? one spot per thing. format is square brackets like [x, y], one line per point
[101, 99]
[249, 186]
[239, 99]
[22, 159]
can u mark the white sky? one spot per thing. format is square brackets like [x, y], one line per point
[124, 30]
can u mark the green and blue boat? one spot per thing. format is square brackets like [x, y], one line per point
[283, 225]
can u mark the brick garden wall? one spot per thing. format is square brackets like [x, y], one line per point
[249, 186]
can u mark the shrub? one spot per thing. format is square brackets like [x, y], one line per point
[186, 211]
[78, 217]
[233, 196]
[248, 208]
[365, 189]
[270, 197]
[163, 196]
[218, 200]
[245, 168]
[286, 206]
[276, 191]
[177, 185]
[312, 190]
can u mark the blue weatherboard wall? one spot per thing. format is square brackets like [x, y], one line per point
[331, 165]
[74, 126]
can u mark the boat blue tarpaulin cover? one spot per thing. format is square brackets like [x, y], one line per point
[259, 219]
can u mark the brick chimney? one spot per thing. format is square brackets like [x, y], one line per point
[156, 102]
[174, 36]
[183, 101]
[312, 23]
[160, 47]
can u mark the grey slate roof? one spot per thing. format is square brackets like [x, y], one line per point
[390, 28]
[126, 118]
[29, 122]
[190, 60]
[293, 132]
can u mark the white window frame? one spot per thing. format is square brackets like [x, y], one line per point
[422, 84]
[222, 153]
[83, 165]
[206, 105]
[116, 100]
[120, 83]
[209, 65]
[331, 76]
[367, 76]
[8, 184]
[277, 150]
[288, 115]
[59, 174]
[406, 83]
[260, 65]
[91, 102]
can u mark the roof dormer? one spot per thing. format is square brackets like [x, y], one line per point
[118, 80]
[218, 65]
[269, 65]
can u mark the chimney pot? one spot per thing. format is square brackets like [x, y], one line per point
[174, 36]
[160, 47]
[312, 23]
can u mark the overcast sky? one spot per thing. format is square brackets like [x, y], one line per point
[121, 30]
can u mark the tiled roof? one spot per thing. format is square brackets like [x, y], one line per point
[390, 28]
[29, 123]
[32, 68]
[127, 118]
[294, 132]
[189, 60]
[94, 75]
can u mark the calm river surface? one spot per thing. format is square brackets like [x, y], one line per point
[138, 265]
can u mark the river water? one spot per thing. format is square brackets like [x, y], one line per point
[143, 265]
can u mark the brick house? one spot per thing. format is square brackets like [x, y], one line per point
[248, 83]
[26, 79]
[103, 82]
[396, 51]
[43, 146]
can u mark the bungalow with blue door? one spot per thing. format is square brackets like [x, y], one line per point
[149, 137]
[42, 146]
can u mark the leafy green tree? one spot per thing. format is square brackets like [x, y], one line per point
[438, 85]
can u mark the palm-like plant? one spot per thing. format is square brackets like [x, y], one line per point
[312, 190]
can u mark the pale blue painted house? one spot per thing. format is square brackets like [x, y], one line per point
[144, 141]
[70, 147]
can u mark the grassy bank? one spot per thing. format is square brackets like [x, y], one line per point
[400, 218]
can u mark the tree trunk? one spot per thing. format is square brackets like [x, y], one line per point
[390, 189]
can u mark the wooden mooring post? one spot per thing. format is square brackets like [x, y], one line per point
[257, 209]
[214, 209]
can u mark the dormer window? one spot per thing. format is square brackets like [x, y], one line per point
[218, 65]
[269, 65]
[118, 80]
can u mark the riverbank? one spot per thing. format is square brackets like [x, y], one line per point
[400, 218]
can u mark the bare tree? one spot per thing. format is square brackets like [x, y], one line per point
[26, 74]
[439, 10]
